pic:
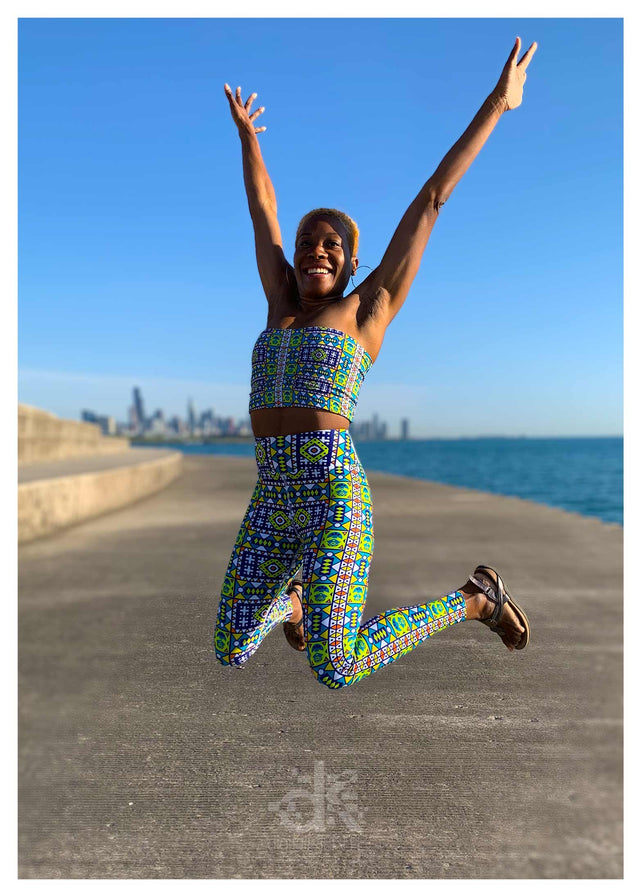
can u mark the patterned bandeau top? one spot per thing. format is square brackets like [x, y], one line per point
[314, 367]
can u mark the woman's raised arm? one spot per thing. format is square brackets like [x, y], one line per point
[272, 264]
[389, 283]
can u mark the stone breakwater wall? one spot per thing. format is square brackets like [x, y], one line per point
[69, 472]
[43, 436]
[49, 504]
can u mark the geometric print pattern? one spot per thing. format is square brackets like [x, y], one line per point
[312, 367]
[311, 513]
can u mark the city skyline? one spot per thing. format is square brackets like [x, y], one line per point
[138, 421]
[204, 422]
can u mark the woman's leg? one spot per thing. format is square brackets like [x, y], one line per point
[254, 597]
[337, 556]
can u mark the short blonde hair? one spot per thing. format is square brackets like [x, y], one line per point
[349, 224]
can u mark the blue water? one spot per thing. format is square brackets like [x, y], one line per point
[583, 475]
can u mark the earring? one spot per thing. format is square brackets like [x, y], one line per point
[354, 273]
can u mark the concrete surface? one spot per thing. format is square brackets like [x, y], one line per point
[57, 494]
[142, 757]
[42, 436]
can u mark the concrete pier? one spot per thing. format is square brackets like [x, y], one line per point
[142, 757]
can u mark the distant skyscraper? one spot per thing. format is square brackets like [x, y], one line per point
[156, 423]
[369, 429]
[139, 406]
[404, 429]
[191, 416]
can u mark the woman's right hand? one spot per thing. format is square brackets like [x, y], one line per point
[509, 88]
[241, 112]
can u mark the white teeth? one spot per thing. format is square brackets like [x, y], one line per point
[317, 271]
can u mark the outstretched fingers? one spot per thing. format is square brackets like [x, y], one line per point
[255, 114]
[526, 59]
[253, 117]
[234, 101]
[528, 56]
[241, 111]
[237, 99]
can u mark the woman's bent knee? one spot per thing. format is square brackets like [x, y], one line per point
[226, 660]
[332, 679]
[227, 649]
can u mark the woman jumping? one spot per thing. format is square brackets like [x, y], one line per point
[303, 552]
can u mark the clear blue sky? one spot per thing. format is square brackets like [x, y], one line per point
[136, 262]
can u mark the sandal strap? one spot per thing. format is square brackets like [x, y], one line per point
[292, 585]
[496, 594]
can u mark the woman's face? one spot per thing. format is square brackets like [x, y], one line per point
[322, 260]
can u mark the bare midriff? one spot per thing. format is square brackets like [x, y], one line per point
[287, 421]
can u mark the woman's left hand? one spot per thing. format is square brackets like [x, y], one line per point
[509, 88]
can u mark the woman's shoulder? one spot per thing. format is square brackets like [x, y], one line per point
[367, 329]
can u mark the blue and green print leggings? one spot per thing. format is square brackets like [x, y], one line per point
[310, 513]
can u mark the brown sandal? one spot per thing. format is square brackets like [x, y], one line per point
[495, 589]
[294, 631]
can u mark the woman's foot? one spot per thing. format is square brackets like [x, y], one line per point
[294, 626]
[481, 608]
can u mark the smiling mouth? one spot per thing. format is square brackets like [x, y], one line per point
[317, 272]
